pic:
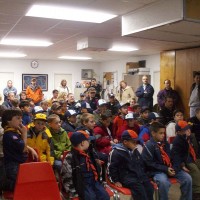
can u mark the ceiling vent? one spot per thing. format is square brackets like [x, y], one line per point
[94, 44]
[171, 21]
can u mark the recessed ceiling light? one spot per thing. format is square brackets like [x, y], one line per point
[74, 58]
[25, 42]
[122, 48]
[67, 13]
[12, 55]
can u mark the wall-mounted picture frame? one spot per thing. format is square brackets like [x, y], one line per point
[86, 74]
[42, 80]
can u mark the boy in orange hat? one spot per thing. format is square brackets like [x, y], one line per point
[131, 173]
[184, 156]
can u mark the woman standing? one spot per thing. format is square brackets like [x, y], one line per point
[125, 94]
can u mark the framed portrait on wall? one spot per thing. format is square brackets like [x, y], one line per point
[86, 74]
[42, 80]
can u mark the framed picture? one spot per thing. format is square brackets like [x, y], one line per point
[86, 74]
[42, 80]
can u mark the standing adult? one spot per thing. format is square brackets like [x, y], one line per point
[167, 92]
[194, 101]
[126, 93]
[97, 87]
[9, 89]
[145, 93]
[34, 92]
[63, 87]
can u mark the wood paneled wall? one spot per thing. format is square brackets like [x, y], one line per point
[167, 67]
[178, 66]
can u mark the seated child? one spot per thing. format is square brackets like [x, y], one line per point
[126, 167]
[101, 108]
[69, 121]
[102, 129]
[56, 109]
[79, 174]
[15, 147]
[60, 139]
[156, 154]
[119, 121]
[184, 156]
[145, 134]
[38, 139]
[64, 108]
[136, 110]
[170, 127]
[131, 123]
[26, 112]
[195, 124]
[45, 106]
[87, 125]
[132, 103]
[144, 116]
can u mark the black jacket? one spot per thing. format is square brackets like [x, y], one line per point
[126, 166]
[152, 156]
[180, 152]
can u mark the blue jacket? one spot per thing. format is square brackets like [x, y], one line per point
[13, 148]
[144, 134]
[152, 157]
[26, 119]
[126, 165]
[68, 127]
[180, 152]
[145, 99]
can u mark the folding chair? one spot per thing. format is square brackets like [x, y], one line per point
[7, 195]
[127, 192]
[35, 181]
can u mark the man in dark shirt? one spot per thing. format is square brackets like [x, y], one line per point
[97, 87]
[166, 112]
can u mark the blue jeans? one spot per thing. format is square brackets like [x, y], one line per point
[164, 184]
[57, 165]
[11, 170]
[94, 190]
[140, 190]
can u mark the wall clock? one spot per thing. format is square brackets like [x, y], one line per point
[34, 64]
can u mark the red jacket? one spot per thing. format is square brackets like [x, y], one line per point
[136, 128]
[118, 125]
[103, 142]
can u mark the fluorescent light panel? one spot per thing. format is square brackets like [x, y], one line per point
[122, 49]
[11, 55]
[74, 58]
[67, 13]
[25, 42]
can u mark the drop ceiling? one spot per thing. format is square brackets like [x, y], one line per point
[65, 34]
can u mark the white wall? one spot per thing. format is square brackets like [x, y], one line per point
[117, 65]
[21, 66]
[152, 62]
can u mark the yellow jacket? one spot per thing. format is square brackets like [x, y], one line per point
[42, 143]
